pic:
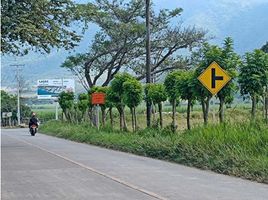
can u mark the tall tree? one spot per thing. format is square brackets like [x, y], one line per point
[173, 94]
[186, 86]
[253, 76]
[229, 61]
[121, 40]
[132, 97]
[206, 55]
[118, 94]
[37, 25]
[157, 95]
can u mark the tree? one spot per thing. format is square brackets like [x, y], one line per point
[132, 97]
[156, 95]
[37, 25]
[111, 101]
[229, 61]
[83, 104]
[118, 93]
[66, 101]
[206, 55]
[265, 48]
[186, 86]
[172, 93]
[121, 40]
[9, 104]
[253, 76]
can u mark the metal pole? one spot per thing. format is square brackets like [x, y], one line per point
[18, 89]
[57, 114]
[98, 117]
[18, 109]
[148, 64]
[213, 110]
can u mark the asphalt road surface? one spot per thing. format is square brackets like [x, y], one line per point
[48, 168]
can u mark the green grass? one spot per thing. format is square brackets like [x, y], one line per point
[239, 149]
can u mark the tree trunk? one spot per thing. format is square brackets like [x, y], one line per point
[189, 113]
[124, 119]
[253, 108]
[153, 111]
[120, 118]
[160, 114]
[111, 117]
[221, 110]
[205, 109]
[266, 109]
[91, 116]
[174, 115]
[132, 119]
[135, 118]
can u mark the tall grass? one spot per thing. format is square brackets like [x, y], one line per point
[239, 149]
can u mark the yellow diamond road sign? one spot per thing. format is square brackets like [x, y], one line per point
[214, 78]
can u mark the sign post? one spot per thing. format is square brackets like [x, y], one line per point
[57, 108]
[97, 99]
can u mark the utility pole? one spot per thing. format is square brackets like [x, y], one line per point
[18, 68]
[148, 61]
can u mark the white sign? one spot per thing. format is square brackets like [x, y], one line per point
[6, 114]
[51, 88]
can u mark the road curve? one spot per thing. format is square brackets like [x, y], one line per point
[44, 167]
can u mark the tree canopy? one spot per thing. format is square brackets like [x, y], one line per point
[38, 25]
[120, 42]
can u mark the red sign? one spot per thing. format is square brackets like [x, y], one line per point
[98, 98]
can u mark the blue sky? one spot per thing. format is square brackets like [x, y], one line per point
[246, 21]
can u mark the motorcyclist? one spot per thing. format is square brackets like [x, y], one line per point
[33, 121]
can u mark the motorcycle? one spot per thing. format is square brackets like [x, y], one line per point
[33, 129]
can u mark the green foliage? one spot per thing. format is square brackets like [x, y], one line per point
[170, 85]
[119, 44]
[66, 100]
[83, 102]
[265, 48]
[253, 73]
[186, 85]
[9, 104]
[132, 95]
[156, 93]
[229, 62]
[207, 54]
[37, 25]
[239, 149]
[118, 82]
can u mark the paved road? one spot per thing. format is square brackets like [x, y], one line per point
[48, 168]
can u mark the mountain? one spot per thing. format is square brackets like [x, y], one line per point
[246, 21]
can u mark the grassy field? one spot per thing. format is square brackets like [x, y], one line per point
[237, 113]
[237, 149]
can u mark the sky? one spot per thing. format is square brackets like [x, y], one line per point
[246, 21]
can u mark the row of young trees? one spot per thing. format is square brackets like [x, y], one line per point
[249, 74]
[9, 104]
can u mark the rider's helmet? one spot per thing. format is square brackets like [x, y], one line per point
[33, 114]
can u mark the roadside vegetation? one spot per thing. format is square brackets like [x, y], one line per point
[239, 149]
[228, 140]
